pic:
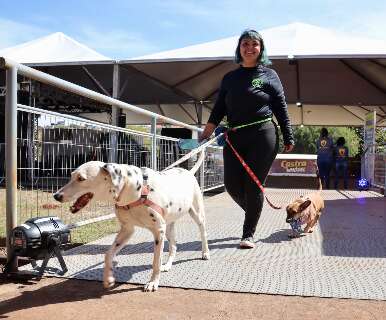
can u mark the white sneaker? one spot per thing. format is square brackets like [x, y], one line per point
[247, 243]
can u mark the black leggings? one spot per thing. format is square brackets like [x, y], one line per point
[258, 146]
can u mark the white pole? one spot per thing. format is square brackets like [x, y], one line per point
[154, 143]
[113, 154]
[11, 158]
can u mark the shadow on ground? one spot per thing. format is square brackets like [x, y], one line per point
[65, 291]
[148, 247]
[354, 227]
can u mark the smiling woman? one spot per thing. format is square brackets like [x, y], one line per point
[251, 49]
[249, 97]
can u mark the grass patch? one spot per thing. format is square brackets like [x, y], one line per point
[37, 203]
[94, 231]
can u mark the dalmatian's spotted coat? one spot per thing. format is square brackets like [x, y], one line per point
[176, 191]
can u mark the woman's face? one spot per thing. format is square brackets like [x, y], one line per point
[249, 51]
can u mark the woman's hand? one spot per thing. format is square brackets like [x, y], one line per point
[208, 130]
[288, 147]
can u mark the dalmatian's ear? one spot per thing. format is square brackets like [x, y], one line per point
[115, 173]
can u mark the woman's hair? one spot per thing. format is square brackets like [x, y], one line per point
[252, 34]
[340, 142]
[324, 133]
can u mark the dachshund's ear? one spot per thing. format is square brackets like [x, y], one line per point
[304, 205]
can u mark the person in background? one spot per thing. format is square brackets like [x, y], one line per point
[324, 151]
[249, 96]
[341, 162]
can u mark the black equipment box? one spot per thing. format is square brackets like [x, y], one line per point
[41, 238]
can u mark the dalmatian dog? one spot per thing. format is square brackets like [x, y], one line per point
[144, 198]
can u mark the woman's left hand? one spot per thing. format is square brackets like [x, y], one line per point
[288, 147]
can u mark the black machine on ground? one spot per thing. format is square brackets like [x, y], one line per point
[39, 238]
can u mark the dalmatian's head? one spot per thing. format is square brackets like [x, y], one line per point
[98, 181]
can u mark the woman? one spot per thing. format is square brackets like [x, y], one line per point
[250, 95]
[324, 149]
[341, 162]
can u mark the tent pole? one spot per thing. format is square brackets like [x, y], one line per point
[11, 159]
[95, 80]
[115, 111]
[362, 76]
[187, 113]
[154, 143]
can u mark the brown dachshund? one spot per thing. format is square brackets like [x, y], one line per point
[306, 209]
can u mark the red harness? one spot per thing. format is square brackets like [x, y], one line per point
[143, 200]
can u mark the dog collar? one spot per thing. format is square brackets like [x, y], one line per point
[143, 200]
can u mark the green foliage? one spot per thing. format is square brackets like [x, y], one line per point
[351, 137]
[137, 127]
[380, 136]
[305, 138]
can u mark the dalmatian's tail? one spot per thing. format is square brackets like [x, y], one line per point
[199, 162]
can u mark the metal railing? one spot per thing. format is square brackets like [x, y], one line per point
[45, 147]
[51, 145]
[378, 153]
[373, 165]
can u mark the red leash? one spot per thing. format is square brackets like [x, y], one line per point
[250, 172]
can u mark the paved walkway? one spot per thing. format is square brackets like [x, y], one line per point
[344, 258]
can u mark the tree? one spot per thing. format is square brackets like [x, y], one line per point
[349, 134]
[380, 136]
[305, 138]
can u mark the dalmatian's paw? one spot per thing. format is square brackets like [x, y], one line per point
[108, 282]
[166, 267]
[150, 286]
[205, 256]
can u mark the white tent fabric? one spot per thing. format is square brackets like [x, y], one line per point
[54, 48]
[338, 78]
[292, 40]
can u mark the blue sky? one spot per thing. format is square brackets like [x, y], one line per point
[124, 29]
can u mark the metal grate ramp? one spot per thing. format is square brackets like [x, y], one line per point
[344, 258]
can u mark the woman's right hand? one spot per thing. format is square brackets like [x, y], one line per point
[288, 148]
[208, 130]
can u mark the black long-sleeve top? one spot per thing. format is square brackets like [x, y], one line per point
[250, 94]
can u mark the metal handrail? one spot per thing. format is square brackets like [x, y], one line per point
[12, 70]
[6, 63]
[22, 107]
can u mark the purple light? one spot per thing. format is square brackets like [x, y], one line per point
[363, 184]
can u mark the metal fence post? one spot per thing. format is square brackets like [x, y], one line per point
[384, 172]
[115, 111]
[202, 174]
[202, 168]
[154, 143]
[11, 157]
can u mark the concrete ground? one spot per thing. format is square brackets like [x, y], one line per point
[53, 298]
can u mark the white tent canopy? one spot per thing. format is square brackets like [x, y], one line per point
[337, 78]
[54, 48]
[292, 40]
